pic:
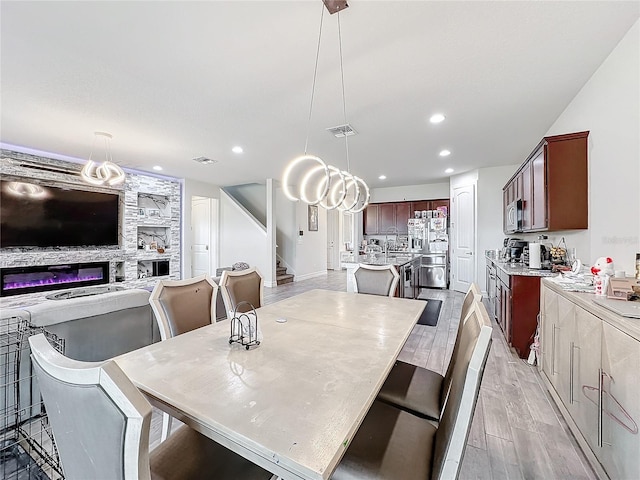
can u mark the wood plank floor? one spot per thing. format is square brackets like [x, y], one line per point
[517, 431]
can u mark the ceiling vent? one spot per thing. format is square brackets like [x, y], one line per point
[205, 160]
[342, 131]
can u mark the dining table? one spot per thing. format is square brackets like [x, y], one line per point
[293, 403]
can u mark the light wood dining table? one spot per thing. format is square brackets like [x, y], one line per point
[293, 403]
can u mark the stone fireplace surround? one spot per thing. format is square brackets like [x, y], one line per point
[123, 260]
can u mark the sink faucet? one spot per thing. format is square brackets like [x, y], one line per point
[390, 231]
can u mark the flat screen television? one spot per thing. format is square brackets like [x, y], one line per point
[35, 215]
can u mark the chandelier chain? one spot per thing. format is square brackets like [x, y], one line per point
[344, 101]
[313, 85]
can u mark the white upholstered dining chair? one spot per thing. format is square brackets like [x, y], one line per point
[181, 306]
[376, 279]
[393, 444]
[100, 423]
[241, 286]
[421, 391]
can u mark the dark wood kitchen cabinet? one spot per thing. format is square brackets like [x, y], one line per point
[383, 218]
[370, 219]
[386, 218]
[553, 185]
[517, 308]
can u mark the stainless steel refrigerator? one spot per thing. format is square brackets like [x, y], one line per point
[430, 237]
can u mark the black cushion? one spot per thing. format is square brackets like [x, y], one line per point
[390, 444]
[414, 389]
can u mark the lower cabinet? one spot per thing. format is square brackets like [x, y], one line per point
[593, 368]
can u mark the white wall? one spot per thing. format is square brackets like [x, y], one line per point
[432, 191]
[242, 239]
[192, 189]
[311, 247]
[609, 107]
[286, 230]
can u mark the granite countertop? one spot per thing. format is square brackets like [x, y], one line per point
[519, 269]
[397, 259]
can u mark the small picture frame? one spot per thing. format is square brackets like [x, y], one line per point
[141, 212]
[313, 218]
[153, 212]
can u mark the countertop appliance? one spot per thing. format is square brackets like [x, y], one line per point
[516, 247]
[535, 255]
[513, 217]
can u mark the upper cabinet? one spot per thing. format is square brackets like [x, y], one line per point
[553, 185]
[383, 218]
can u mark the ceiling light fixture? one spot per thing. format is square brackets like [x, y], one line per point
[382, 177]
[445, 153]
[437, 118]
[237, 149]
[334, 188]
[107, 173]
[157, 168]
[449, 170]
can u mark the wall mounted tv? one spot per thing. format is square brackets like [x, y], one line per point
[37, 215]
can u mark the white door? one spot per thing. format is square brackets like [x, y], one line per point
[463, 234]
[333, 239]
[203, 235]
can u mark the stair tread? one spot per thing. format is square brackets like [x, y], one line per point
[286, 275]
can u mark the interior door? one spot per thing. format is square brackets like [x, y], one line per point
[203, 230]
[333, 240]
[463, 234]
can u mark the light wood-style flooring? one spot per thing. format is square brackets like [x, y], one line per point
[517, 431]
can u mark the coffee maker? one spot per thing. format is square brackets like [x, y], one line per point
[513, 249]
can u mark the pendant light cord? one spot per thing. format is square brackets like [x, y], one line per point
[344, 102]
[313, 85]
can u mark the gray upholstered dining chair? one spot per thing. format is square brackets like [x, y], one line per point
[376, 279]
[181, 306]
[421, 391]
[101, 421]
[241, 286]
[394, 444]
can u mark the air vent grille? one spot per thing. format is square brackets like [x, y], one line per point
[205, 160]
[342, 131]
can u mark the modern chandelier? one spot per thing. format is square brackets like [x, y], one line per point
[106, 173]
[319, 183]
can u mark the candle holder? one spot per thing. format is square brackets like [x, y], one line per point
[244, 326]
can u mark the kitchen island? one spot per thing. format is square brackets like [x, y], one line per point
[406, 264]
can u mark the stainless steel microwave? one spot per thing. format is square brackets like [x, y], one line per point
[513, 217]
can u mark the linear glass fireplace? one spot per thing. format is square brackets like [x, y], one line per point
[41, 278]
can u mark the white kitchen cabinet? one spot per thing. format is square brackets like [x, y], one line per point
[591, 365]
[620, 403]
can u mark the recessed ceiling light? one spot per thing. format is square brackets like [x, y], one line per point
[157, 168]
[449, 170]
[382, 177]
[445, 153]
[436, 118]
[237, 149]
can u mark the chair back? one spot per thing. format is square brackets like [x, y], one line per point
[455, 422]
[376, 279]
[242, 286]
[472, 296]
[183, 305]
[100, 420]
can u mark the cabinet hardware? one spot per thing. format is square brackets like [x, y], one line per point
[571, 374]
[600, 376]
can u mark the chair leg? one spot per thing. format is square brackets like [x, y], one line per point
[166, 426]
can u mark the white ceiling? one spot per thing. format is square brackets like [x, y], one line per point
[177, 80]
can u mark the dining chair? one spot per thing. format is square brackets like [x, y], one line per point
[101, 422]
[376, 279]
[241, 286]
[180, 306]
[396, 445]
[421, 391]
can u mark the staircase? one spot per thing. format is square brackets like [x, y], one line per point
[282, 276]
